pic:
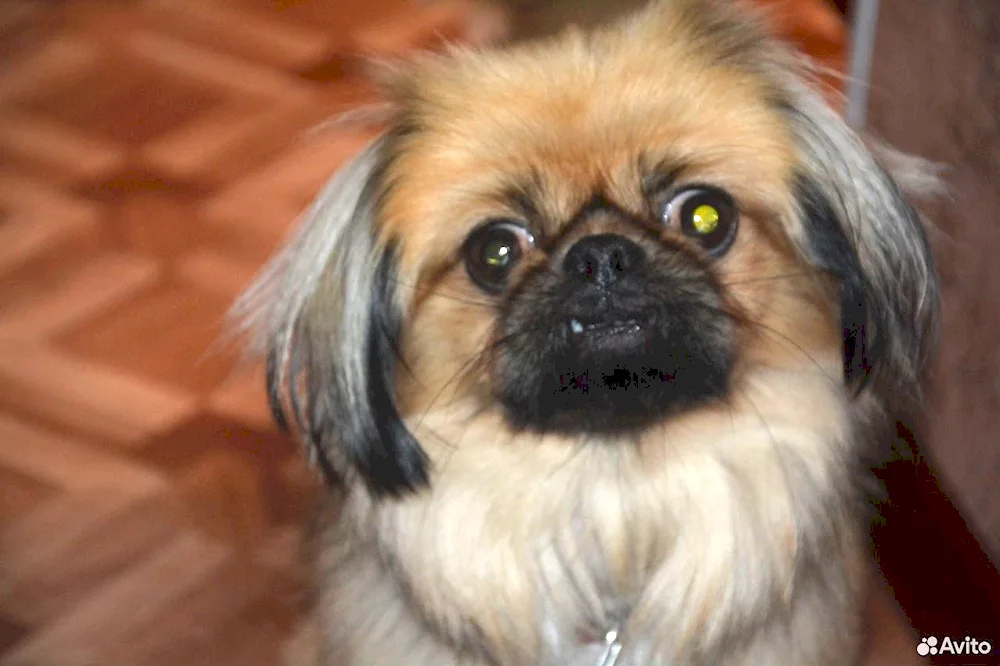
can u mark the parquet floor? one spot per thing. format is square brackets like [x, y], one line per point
[153, 155]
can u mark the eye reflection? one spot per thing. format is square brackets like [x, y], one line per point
[707, 214]
[492, 251]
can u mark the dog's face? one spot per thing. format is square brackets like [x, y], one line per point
[593, 251]
[589, 238]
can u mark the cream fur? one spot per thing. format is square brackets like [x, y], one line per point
[530, 540]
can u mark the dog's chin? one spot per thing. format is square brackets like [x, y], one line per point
[616, 369]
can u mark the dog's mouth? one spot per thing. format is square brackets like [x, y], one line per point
[610, 371]
[609, 336]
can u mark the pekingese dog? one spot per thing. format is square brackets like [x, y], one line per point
[599, 341]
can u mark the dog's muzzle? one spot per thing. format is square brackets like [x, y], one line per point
[611, 338]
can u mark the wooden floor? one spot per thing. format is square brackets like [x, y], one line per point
[153, 155]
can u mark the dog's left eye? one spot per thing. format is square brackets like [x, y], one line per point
[492, 251]
[706, 214]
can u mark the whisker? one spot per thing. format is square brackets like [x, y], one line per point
[771, 278]
[760, 415]
[466, 367]
[742, 318]
[460, 373]
[456, 296]
[797, 346]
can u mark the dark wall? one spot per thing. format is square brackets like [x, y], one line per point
[936, 93]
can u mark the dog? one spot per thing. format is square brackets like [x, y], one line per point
[599, 343]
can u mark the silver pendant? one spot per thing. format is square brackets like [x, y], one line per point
[612, 648]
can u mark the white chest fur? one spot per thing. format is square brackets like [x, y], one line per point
[689, 538]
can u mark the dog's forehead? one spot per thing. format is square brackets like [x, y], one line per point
[573, 119]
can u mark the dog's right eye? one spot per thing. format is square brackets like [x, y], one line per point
[492, 251]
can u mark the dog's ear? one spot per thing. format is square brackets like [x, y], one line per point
[858, 225]
[855, 221]
[325, 315]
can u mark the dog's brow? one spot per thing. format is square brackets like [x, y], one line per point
[523, 196]
[522, 201]
[658, 173]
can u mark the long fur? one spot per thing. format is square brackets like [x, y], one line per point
[330, 361]
[731, 534]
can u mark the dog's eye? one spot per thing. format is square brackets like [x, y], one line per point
[707, 214]
[492, 250]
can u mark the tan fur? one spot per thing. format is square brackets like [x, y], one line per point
[727, 535]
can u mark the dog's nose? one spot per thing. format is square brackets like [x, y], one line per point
[602, 258]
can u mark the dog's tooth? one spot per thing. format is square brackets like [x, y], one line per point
[575, 326]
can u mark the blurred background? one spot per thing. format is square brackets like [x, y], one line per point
[153, 154]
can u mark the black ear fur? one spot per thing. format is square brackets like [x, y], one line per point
[325, 313]
[386, 453]
[372, 435]
[833, 251]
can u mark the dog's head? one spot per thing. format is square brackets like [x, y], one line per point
[589, 237]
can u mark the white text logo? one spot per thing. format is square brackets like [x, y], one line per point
[931, 646]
